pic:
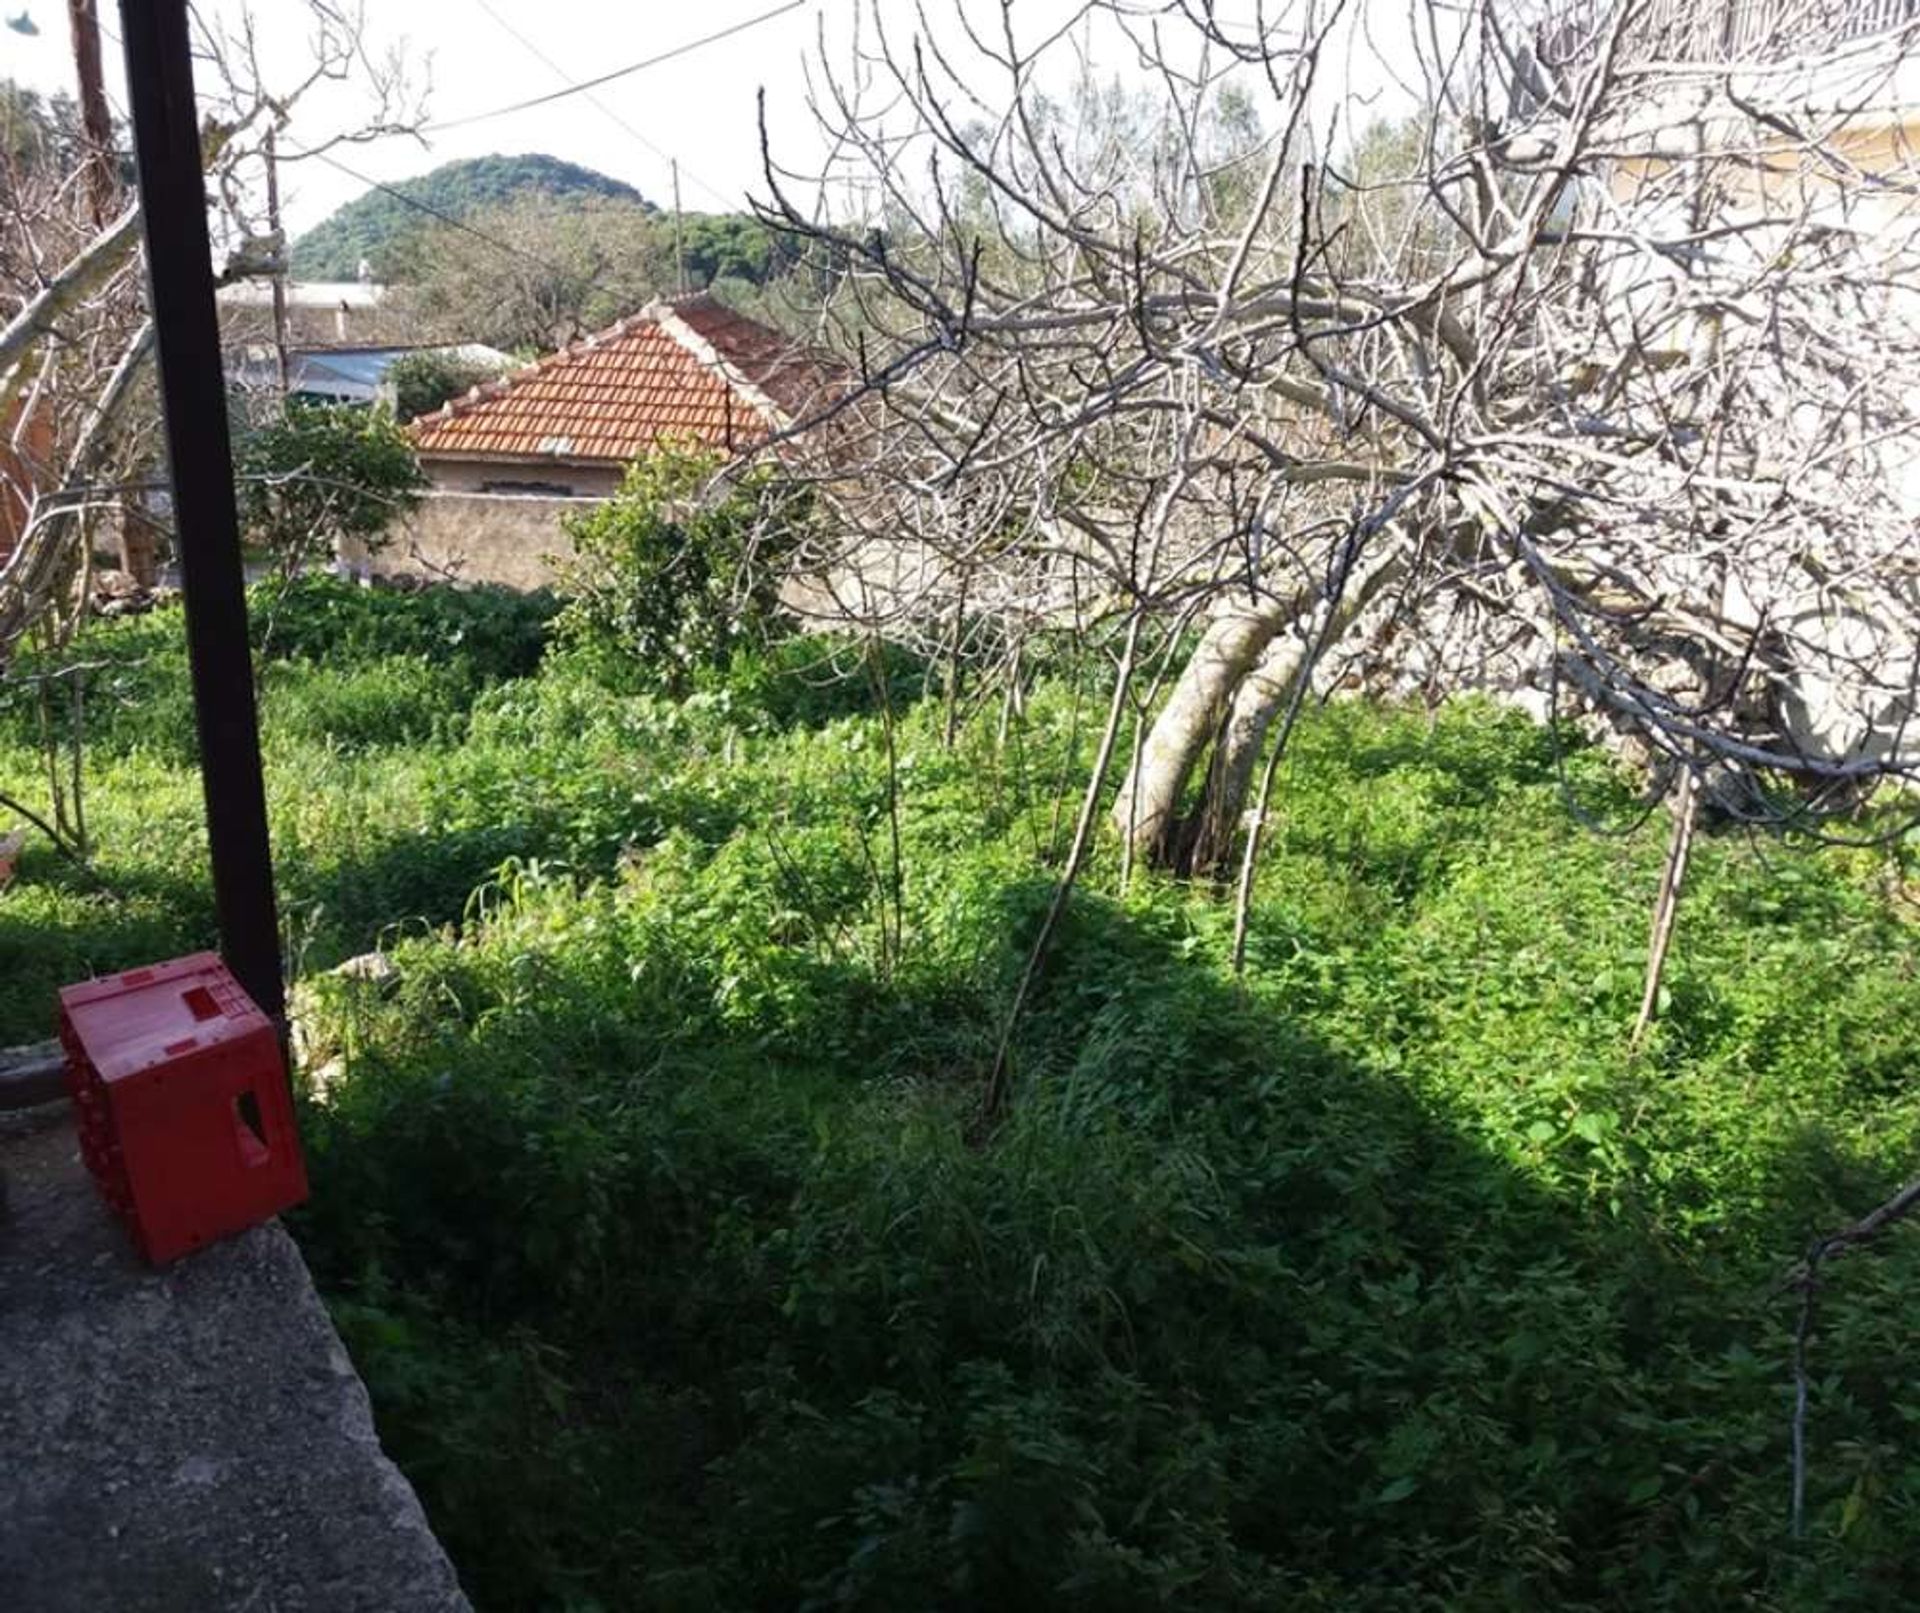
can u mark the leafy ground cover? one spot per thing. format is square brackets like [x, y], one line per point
[653, 1209]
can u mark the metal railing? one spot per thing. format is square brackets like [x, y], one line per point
[1732, 31]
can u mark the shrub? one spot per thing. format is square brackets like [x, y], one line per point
[320, 474]
[322, 618]
[680, 569]
[423, 381]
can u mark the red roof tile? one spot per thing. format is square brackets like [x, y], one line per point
[687, 369]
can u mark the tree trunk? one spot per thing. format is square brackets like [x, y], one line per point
[1147, 812]
[139, 545]
[33, 571]
[92, 267]
[1265, 692]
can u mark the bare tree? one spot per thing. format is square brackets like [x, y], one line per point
[1591, 375]
[78, 414]
[73, 334]
[535, 273]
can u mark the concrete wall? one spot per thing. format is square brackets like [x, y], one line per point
[507, 538]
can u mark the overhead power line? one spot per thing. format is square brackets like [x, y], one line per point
[605, 111]
[585, 85]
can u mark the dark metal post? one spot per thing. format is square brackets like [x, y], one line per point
[173, 200]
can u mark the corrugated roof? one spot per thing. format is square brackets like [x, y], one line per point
[691, 369]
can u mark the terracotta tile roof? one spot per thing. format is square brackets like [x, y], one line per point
[793, 377]
[686, 369]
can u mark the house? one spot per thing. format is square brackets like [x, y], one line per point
[690, 370]
[509, 460]
[1760, 178]
[316, 311]
[1760, 78]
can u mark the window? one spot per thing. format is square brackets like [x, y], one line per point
[548, 489]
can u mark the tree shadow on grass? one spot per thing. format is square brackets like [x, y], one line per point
[1216, 1319]
[58, 926]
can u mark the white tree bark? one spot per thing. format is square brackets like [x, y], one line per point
[1147, 811]
[97, 263]
[1265, 692]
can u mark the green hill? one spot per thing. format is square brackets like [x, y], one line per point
[378, 225]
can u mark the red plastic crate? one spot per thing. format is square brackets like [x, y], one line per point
[181, 1101]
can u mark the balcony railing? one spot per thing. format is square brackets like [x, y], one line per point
[1716, 32]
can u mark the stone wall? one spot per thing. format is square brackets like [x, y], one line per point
[507, 538]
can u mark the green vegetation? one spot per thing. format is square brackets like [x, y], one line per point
[423, 381]
[653, 1209]
[380, 227]
[362, 694]
[674, 576]
[730, 247]
[317, 475]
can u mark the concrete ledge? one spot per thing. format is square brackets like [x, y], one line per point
[185, 1441]
[32, 1075]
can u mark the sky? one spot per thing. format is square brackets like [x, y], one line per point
[480, 54]
[476, 56]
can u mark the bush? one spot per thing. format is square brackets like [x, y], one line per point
[317, 617]
[320, 475]
[425, 380]
[678, 571]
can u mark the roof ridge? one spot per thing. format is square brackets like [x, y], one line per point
[707, 352]
[686, 365]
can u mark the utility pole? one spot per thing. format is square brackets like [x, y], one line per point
[84, 25]
[138, 556]
[679, 245]
[173, 206]
[279, 264]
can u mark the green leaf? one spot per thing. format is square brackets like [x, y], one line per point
[1592, 1126]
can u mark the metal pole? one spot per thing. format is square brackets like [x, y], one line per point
[173, 201]
[679, 245]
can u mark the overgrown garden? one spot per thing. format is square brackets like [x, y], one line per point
[655, 1204]
[1126, 1079]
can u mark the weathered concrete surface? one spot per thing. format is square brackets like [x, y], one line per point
[192, 1440]
[507, 538]
[32, 1075]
